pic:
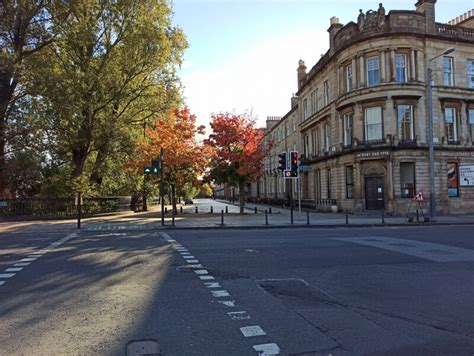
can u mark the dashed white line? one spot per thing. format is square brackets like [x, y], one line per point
[28, 259]
[220, 293]
[189, 257]
[251, 331]
[267, 349]
[7, 275]
[212, 284]
[2, 283]
[239, 315]
[228, 303]
[22, 264]
[195, 266]
[201, 271]
[185, 253]
[14, 269]
[192, 261]
[206, 278]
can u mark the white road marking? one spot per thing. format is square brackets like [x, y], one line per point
[426, 250]
[21, 264]
[34, 256]
[201, 271]
[206, 278]
[37, 253]
[192, 261]
[267, 349]
[165, 235]
[229, 303]
[239, 315]
[14, 269]
[220, 293]
[7, 275]
[251, 331]
[2, 283]
[195, 266]
[188, 257]
[212, 284]
[185, 253]
[28, 259]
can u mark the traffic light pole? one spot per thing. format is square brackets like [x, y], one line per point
[162, 185]
[291, 201]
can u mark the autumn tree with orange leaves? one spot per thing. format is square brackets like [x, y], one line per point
[184, 158]
[238, 150]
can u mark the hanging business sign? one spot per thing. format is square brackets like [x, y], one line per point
[466, 175]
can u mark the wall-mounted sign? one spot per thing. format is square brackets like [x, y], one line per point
[373, 154]
[466, 175]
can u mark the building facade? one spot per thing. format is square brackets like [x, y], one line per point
[362, 113]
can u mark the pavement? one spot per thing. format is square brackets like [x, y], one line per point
[218, 214]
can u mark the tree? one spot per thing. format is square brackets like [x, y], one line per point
[184, 158]
[24, 31]
[238, 149]
[110, 69]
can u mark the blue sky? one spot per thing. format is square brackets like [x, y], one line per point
[243, 54]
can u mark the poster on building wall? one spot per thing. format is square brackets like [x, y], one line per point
[453, 186]
[466, 175]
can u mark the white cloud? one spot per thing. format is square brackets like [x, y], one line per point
[260, 80]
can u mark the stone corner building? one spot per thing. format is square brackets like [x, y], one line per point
[360, 116]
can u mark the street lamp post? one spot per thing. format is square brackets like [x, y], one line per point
[430, 134]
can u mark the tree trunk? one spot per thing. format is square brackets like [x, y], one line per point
[144, 194]
[173, 199]
[242, 198]
[79, 156]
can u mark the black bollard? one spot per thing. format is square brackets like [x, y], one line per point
[222, 217]
[347, 218]
[270, 210]
[226, 209]
[181, 209]
[383, 216]
[307, 217]
[196, 210]
[172, 217]
[266, 217]
[417, 216]
[166, 210]
[212, 209]
[291, 215]
[255, 210]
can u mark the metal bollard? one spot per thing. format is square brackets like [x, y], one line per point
[383, 216]
[212, 209]
[347, 218]
[196, 209]
[222, 217]
[226, 209]
[255, 210]
[291, 215]
[181, 209]
[307, 217]
[266, 217]
[417, 216]
[172, 217]
[270, 210]
[166, 210]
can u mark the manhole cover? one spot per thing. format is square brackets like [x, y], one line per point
[147, 347]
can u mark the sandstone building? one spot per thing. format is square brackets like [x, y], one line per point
[360, 115]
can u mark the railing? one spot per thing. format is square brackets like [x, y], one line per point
[60, 207]
[454, 31]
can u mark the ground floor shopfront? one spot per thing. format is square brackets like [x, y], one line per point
[379, 178]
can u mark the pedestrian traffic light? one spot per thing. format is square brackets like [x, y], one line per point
[282, 161]
[294, 164]
[154, 169]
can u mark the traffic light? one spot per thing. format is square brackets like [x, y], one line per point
[282, 161]
[294, 164]
[154, 169]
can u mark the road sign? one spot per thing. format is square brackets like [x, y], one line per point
[305, 168]
[466, 175]
[419, 195]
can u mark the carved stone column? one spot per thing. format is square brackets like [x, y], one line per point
[354, 73]
[362, 79]
[394, 66]
[382, 66]
[412, 66]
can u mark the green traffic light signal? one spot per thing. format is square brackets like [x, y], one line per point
[147, 170]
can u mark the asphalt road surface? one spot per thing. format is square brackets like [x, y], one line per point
[340, 291]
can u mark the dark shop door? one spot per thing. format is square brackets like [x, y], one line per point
[374, 193]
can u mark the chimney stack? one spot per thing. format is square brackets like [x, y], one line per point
[427, 7]
[301, 72]
[334, 28]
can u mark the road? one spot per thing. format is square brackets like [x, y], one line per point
[338, 291]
